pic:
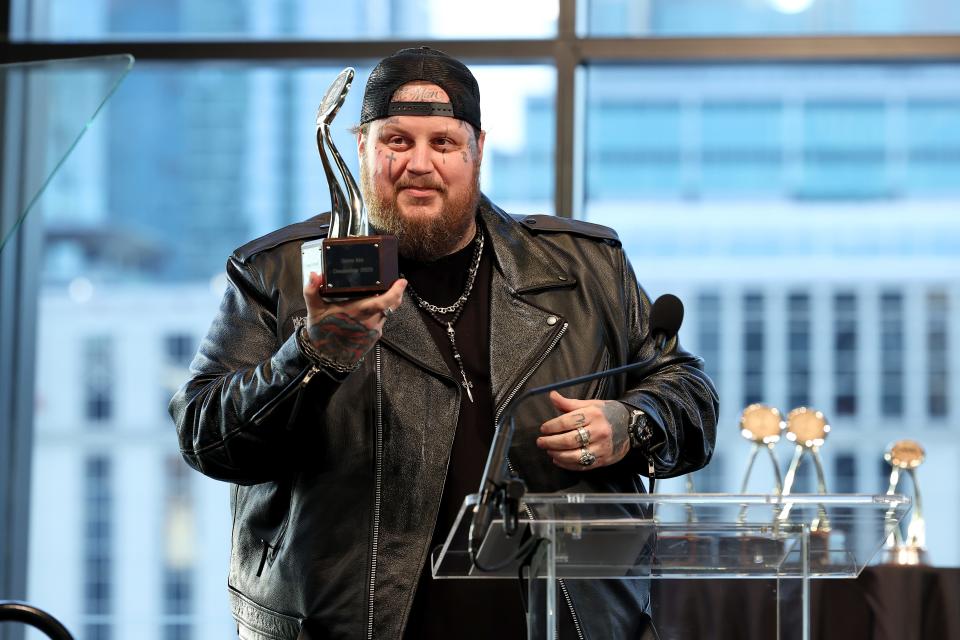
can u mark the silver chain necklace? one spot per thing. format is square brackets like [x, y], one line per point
[456, 309]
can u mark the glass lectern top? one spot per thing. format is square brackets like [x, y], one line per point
[685, 535]
[47, 107]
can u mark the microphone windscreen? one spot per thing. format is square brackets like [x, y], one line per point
[666, 316]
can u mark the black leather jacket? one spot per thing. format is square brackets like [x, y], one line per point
[337, 480]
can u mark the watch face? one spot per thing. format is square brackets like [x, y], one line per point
[807, 427]
[762, 424]
[636, 431]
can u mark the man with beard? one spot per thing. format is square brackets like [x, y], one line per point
[352, 431]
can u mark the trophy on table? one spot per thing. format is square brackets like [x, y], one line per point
[808, 428]
[353, 263]
[904, 457]
[762, 426]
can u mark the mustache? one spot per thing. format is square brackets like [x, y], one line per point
[420, 184]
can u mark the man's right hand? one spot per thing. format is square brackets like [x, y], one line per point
[345, 331]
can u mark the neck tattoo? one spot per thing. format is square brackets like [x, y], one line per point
[455, 310]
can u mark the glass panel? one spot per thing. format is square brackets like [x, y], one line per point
[696, 535]
[190, 162]
[810, 210]
[291, 19]
[76, 89]
[624, 18]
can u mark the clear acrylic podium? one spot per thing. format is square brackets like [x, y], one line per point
[698, 536]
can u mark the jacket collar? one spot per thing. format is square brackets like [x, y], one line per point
[522, 261]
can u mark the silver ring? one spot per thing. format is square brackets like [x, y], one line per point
[388, 312]
[586, 458]
[583, 436]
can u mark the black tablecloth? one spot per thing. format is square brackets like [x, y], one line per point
[884, 603]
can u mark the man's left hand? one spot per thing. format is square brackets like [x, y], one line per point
[603, 423]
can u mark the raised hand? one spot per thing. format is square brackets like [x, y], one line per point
[588, 434]
[345, 331]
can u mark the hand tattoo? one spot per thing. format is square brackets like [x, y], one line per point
[618, 417]
[342, 338]
[581, 420]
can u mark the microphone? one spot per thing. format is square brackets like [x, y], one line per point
[498, 488]
[665, 320]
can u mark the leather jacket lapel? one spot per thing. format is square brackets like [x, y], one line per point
[406, 332]
[520, 332]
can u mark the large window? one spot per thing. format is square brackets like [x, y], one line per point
[815, 204]
[188, 163]
[99, 20]
[768, 17]
[803, 206]
[891, 353]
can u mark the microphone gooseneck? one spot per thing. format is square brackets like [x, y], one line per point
[499, 490]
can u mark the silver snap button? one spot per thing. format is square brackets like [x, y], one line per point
[562, 278]
[552, 320]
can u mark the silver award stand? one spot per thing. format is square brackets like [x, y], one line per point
[904, 457]
[762, 426]
[348, 215]
[808, 428]
[576, 537]
[352, 262]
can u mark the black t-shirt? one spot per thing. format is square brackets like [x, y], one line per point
[469, 608]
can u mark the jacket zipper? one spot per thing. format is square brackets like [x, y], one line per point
[576, 620]
[526, 376]
[563, 588]
[376, 492]
[496, 422]
[300, 381]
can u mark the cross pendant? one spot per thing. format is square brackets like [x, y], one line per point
[467, 385]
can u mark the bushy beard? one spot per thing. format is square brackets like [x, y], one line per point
[421, 238]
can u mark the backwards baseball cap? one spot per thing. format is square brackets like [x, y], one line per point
[430, 65]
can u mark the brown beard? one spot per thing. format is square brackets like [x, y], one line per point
[422, 239]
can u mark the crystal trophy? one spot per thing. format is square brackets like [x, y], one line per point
[354, 263]
[808, 428]
[904, 457]
[763, 427]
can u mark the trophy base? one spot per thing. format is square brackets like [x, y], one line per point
[906, 555]
[358, 267]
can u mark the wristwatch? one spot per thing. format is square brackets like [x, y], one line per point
[639, 429]
[641, 435]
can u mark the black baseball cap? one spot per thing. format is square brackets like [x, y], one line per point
[430, 65]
